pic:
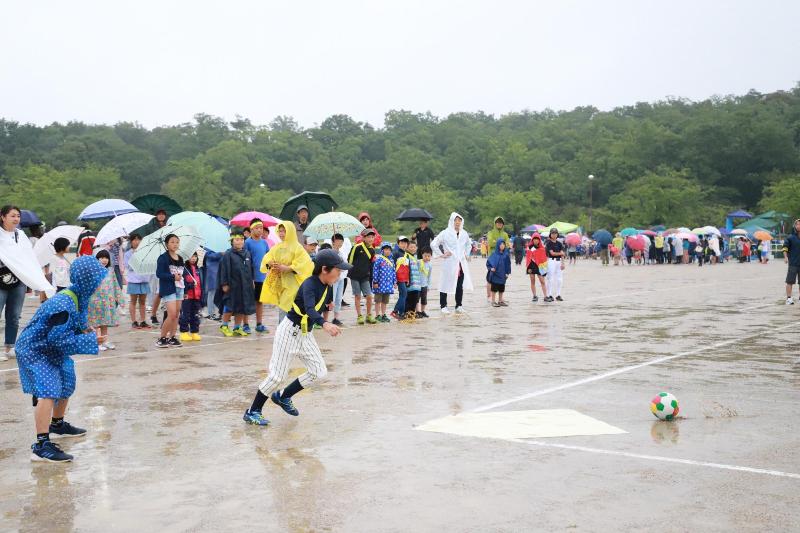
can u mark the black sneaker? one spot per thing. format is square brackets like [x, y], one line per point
[174, 342]
[162, 343]
[559, 298]
[284, 403]
[49, 452]
[154, 320]
[337, 322]
[345, 304]
[65, 430]
[535, 298]
[135, 325]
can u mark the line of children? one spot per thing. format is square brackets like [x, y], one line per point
[383, 281]
[192, 302]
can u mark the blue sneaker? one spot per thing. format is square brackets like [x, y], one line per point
[49, 452]
[255, 418]
[246, 329]
[261, 328]
[284, 403]
[65, 430]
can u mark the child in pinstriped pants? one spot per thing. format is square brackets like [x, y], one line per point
[295, 337]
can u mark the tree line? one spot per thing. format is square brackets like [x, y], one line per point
[673, 162]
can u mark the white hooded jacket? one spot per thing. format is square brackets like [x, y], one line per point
[460, 246]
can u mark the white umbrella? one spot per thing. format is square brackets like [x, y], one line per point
[121, 226]
[712, 230]
[144, 259]
[44, 246]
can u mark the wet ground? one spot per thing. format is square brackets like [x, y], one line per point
[167, 449]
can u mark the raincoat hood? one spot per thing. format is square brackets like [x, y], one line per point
[451, 224]
[499, 219]
[86, 274]
[497, 246]
[365, 214]
[291, 234]
[535, 236]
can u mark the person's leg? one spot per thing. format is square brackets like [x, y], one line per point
[442, 300]
[488, 290]
[259, 313]
[338, 292]
[154, 311]
[501, 293]
[133, 300]
[183, 321]
[14, 300]
[284, 346]
[142, 308]
[559, 280]
[460, 289]
[238, 320]
[104, 333]
[400, 305]
[357, 304]
[542, 284]
[533, 283]
[194, 319]
[44, 412]
[369, 305]
[210, 305]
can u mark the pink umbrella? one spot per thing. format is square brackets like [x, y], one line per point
[691, 237]
[635, 242]
[649, 232]
[572, 239]
[243, 219]
[272, 236]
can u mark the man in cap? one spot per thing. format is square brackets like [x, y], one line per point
[301, 223]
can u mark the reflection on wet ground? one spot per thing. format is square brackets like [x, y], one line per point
[167, 449]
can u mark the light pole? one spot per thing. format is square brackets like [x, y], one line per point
[591, 178]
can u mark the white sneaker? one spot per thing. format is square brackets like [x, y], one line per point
[445, 311]
[3, 357]
[789, 301]
[110, 346]
[102, 348]
[460, 309]
[149, 308]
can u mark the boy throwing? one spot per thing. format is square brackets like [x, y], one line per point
[294, 336]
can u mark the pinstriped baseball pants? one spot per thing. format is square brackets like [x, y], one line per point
[290, 342]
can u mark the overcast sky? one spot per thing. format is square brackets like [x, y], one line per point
[160, 62]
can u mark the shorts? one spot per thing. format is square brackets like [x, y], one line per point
[573, 255]
[533, 270]
[138, 288]
[793, 275]
[258, 286]
[423, 296]
[497, 287]
[173, 297]
[361, 287]
[382, 298]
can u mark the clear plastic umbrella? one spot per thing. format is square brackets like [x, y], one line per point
[152, 246]
[215, 235]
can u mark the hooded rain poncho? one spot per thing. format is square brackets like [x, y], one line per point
[280, 288]
[459, 245]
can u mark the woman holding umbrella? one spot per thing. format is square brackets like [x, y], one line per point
[19, 269]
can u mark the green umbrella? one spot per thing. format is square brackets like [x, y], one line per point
[325, 225]
[150, 203]
[562, 227]
[316, 202]
[629, 232]
[215, 235]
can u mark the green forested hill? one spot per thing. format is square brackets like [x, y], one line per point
[675, 162]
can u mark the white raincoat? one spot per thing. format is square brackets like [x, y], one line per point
[17, 254]
[459, 246]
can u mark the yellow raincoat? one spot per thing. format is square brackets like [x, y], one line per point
[281, 288]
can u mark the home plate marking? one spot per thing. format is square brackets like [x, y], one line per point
[534, 424]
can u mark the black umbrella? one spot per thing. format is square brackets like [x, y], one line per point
[28, 219]
[150, 203]
[316, 202]
[414, 214]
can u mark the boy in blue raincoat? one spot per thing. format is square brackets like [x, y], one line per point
[59, 329]
[499, 267]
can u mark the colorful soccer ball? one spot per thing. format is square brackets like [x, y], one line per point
[665, 406]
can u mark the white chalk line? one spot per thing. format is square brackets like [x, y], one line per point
[623, 370]
[660, 458]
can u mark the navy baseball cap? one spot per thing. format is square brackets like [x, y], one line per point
[331, 258]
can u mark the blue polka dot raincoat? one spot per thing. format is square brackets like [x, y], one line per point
[56, 332]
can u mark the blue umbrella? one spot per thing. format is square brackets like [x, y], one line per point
[629, 232]
[215, 235]
[108, 208]
[602, 237]
[28, 219]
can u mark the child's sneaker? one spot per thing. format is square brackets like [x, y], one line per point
[162, 343]
[145, 325]
[284, 403]
[246, 329]
[337, 322]
[240, 332]
[371, 320]
[535, 298]
[789, 301]
[135, 325]
[49, 452]
[422, 314]
[173, 341]
[186, 336]
[459, 309]
[261, 328]
[196, 337]
[66, 430]
[102, 348]
[110, 346]
[445, 311]
[395, 315]
[154, 320]
[255, 418]
[360, 321]
[226, 330]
